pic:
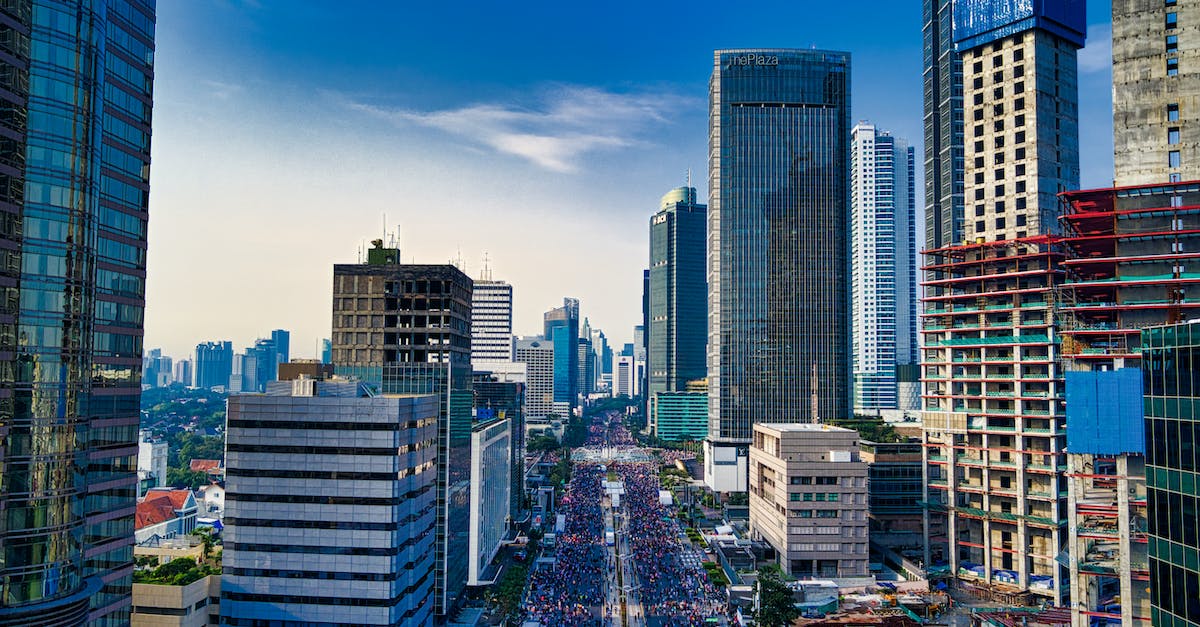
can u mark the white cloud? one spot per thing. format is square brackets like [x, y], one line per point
[1096, 56]
[565, 124]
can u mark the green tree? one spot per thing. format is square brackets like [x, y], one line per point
[776, 606]
[184, 478]
[542, 443]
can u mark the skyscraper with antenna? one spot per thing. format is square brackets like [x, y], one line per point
[491, 318]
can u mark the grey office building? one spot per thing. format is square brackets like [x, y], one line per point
[406, 329]
[329, 507]
[778, 247]
[678, 307]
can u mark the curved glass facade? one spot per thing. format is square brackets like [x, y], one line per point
[71, 314]
[778, 245]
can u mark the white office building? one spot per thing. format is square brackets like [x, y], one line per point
[491, 321]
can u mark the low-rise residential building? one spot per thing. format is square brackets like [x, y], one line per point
[165, 513]
[808, 498]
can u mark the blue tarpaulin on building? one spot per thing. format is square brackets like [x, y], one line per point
[1105, 412]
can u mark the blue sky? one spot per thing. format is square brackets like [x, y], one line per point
[542, 133]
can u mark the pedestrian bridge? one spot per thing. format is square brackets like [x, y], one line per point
[607, 454]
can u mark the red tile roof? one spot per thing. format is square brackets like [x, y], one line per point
[151, 512]
[177, 498]
[205, 465]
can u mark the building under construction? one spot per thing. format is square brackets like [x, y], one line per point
[994, 426]
[1133, 257]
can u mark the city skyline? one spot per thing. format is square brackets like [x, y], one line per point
[412, 116]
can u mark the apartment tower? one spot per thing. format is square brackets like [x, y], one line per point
[883, 257]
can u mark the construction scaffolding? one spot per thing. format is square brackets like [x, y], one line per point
[994, 424]
[1133, 254]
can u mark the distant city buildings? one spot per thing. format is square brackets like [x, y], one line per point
[214, 364]
[677, 300]
[324, 522]
[156, 369]
[538, 356]
[883, 257]
[808, 498]
[183, 372]
[778, 245]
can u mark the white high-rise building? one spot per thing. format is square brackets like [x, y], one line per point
[883, 265]
[491, 321]
[538, 356]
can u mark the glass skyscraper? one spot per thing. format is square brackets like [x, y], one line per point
[75, 104]
[779, 335]
[561, 326]
[943, 91]
[678, 309]
[1171, 382]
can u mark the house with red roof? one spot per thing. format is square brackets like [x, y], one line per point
[165, 513]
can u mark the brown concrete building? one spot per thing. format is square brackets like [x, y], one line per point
[193, 605]
[808, 498]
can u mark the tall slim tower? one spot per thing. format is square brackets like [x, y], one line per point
[76, 83]
[561, 327]
[406, 329]
[778, 246]
[678, 306]
[883, 265]
[943, 127]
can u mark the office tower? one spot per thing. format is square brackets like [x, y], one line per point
[1172, 388]
[406, 329]
[183, 372]
[1156, 77]
[624, 373]
[326, 351]
[587, 373]
[943, 90]
[308, 541]
[677, 299]
[538, 356]
[994, 422]
[682, 415]
[234, 385]
[808, 498]
[491, 497]
[895, 514]
[214, 364]
[76, 84]
[883, 258]
[282, 340]
[491, 321]
[561, 327]
[500, 391]
[778, 246]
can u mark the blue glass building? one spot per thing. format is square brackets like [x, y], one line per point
[778, 246]
[75, 99]
[561, 329]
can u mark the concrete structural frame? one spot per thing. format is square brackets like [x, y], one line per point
[883, 258]
[778, 247]
[808, 498]
[1156, 91]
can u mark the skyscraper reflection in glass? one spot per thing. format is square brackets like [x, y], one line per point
[778, 210]
[75, 99]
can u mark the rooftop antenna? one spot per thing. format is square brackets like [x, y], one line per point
[816, 416]
[385, 229]
[689, 177]
[486, 274]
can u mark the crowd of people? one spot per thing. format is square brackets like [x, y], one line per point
[671, 589]
[569, 593]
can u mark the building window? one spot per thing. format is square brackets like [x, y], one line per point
[979, 226]
[997, 60]
[978, 82]
[1173, 135]
[978, 67]
[833, 496]
[1019, 120]
[1173, 159]
[1020, 170]
[1020, 154]
[1173, 112]
[999, 206]
[1019, 138]
[979, 162]
[1172, 43]
[1021, 205]
[978, 99]
[998, 109]
[978, 194]
[1020, 187]
[1018, 54]
[1172, 19]
[808, 496]
[1169, 3]
[978, 114]
[1019, 87]
[999, 141]
[998, 125]
[999, 223]
[1018, 71]
[1020, 219]
[978, 208]
[998, 174]
[999, 190]
[979, 178]
[979, 146]
[979, 130]
[998, 158]
[1174, 177]
[997, 93]
[1172, 66]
